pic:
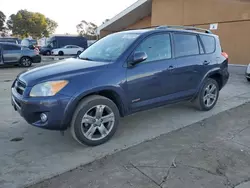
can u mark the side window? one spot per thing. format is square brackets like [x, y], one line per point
[11, 47]
[209, 43]
[54, 44]
[157, 47]
[186, 45]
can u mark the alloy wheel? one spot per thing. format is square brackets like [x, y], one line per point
[26, 62]
[97, 122]
[210, 95]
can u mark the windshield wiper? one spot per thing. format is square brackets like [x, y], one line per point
[86, 58]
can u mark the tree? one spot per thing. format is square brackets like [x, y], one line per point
[51, 27]
[87, 29]
[2, 20]
[25, 24]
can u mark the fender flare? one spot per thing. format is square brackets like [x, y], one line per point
[213, 71]
[79, 96]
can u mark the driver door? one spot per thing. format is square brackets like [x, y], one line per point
[146, 81]
[67, 50]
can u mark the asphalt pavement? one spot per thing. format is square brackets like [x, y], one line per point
[29, 154]
[213, 153]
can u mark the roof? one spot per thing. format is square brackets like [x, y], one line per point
[129, 16]
[171, 28]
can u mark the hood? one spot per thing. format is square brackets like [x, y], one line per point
[61, 70]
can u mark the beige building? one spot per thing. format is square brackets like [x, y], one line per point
[230, 19]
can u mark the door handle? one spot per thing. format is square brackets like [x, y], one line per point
[171, 67]
[206, 62]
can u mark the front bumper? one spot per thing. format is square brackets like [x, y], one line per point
[36, 59]
[54, 52]
[31, 108]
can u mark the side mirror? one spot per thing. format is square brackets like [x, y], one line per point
[138, 57]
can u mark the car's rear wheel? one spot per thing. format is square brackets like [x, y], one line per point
[78, 53]
[60, 53]
[25, 62]
[95, 120]
[208, 95]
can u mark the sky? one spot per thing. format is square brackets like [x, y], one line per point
[68, 13]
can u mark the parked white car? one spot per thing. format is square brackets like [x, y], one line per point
[68, 50]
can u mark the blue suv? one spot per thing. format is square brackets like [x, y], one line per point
[121, 74]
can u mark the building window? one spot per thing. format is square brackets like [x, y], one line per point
[185, 45]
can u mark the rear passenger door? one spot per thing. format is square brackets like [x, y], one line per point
[11, 53]
[187, 61]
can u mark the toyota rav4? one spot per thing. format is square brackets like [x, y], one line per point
[121, 74]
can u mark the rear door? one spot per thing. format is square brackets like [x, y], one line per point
[11, 53]
[187, 60]
[75, 49]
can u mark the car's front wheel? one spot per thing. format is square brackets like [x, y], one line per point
[25, 62]
[248, 79]
[95, 120]
[60, 53]
[48, 53]
[208, 95]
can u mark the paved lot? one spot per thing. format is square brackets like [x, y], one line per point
[42, 154]
[214, 153]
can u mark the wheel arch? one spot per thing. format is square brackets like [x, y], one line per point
[23, 56]
[109, 93]
[214, 74]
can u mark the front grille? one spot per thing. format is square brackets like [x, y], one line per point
[20, 87]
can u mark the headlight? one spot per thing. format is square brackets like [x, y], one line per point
[47, 89]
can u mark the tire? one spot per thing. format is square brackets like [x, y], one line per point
[25, 62]
[60, 53]
[92, 122]
[248, 79]
[207, 98]
[78, 53]
[48, 53]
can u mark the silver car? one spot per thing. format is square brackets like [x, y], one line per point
[16, 54]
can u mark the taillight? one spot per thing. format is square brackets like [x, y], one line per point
[224, 54]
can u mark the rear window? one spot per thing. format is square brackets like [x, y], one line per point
[209, 43]
[185, 45]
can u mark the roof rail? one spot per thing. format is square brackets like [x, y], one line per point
[184, 27]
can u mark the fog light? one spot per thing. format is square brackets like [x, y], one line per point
[43, 117]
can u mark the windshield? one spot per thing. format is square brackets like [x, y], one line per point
[109, 48]
[48, 43]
